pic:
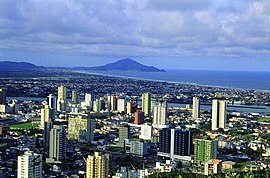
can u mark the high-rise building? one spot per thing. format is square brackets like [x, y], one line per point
[97, 106]
[88, 99]
[121, 105]
[52, 101]
[29, 165]
[159, 114]
[204, 150]
[74, 97]
[2, 96]
[146, 132]
[62, 97]
[124, 133]
[138, 148]
[113, 102]
[97, 166]
[219, 114]
[146, 104]
[139, 117]
[47, 114]
[81, 129]
[57, 149]
[47, 128]
[175, 143]
[196, 108]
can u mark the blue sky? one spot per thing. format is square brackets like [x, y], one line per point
[188, 34]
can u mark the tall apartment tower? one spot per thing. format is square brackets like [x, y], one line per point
[46, 136]
[81, 129]
[97, 166]
[121, 105]
[124, 133]
[204, 150]
[196, 108]
[57, 149]
[29, 165]
[52, 101]
[62, 97]
[139, 117]
[47, 114]
[2, 96]
[175, 143]
[146, 104]
[159, 114]
[74, 97]
[219, 114]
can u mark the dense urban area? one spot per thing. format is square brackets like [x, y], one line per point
[71, 124]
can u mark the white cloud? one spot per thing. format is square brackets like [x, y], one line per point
[191, 28]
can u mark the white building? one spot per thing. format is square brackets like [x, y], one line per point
[146, 132]
[29, 165]
[88, 98]
[196, 108]
[213, 166]
[219, 114]
[47, 114]
[160, 114]
[121, 105]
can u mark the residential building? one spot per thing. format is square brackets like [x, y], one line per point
[204, 150]
[52, 101]
[121, 105]
[57, 149]
[219, 114]
[146, 104]
[175, 144]
[124, 133]
[62, 97]
[29, 165]
[81, 128]
[75, 97]
[146, 132]
[139, 117]
[47, 114]
[97, 166]
[212, 166]
[2, 96]
[138, 148]
[159, 114]
[196, 108]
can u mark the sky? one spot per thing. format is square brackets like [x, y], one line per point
[169, 34]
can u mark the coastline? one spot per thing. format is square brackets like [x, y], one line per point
[173, 82]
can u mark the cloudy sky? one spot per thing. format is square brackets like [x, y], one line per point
[188, 34]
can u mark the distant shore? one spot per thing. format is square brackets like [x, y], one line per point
[174, 82]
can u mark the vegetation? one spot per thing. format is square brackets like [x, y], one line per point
[263, 119]
[24, 126]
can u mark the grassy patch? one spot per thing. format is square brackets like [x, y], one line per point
[116, 149]
[263, 119]
[240, 166]
[24, 126]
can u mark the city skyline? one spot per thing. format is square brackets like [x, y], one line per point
[219, 35]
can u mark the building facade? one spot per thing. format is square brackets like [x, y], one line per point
[97, 166]
[81, 129]
[146, 104]
[196, 108]
[219, 114]
[204, 150]
[29, 165]
[57, 149]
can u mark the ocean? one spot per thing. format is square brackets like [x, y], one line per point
[229, 79]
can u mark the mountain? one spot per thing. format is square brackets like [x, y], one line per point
[126, 65]
[9, 66]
